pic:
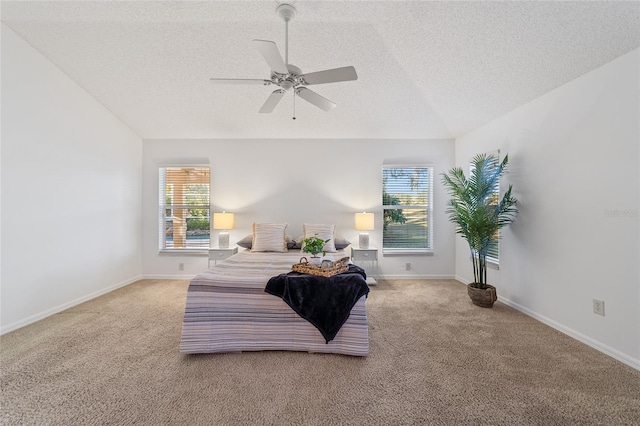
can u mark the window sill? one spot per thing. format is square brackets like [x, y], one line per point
[493, 264]
[399, 251]
[185, 252]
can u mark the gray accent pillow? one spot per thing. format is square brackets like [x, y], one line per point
[246, 241]
[341, 243]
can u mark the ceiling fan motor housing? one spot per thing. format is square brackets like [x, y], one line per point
[290, 80]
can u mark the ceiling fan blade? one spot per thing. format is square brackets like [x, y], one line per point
[272, 101]
[315, 99]
[272, 55]
[239, 81]
[330, 76]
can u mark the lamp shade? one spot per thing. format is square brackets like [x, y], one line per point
[364, 221]
[223, 220]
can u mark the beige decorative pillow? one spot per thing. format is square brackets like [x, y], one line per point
[324, 231]
[269, 237]
[248, 240]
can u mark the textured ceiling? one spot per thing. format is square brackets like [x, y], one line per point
[425, 69]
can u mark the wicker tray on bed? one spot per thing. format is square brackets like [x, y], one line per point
[337, 267]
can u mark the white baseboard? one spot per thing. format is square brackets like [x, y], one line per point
[377, 277]
[42, 315]
[414, 277]
[462, 280]
[607, 350]
[167, 277]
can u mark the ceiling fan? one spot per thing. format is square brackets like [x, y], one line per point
[288, 76]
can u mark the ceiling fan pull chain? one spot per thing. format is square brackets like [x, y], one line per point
[294, 104]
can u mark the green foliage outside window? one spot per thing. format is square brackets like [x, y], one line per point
[197, 223]
[405, 203]
[391, 215]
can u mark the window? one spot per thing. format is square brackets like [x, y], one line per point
[184, 208]
[407, 209]
[493, 253]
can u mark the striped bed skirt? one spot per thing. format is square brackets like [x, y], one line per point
[227, 310]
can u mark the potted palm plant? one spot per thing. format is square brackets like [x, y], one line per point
[478, 213]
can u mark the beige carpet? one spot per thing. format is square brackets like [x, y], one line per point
[115, 361]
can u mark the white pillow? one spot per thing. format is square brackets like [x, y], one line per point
[325, 232]
[269, 237]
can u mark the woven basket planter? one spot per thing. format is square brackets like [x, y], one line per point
[482, 297]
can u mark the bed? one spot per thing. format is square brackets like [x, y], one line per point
[227, 310]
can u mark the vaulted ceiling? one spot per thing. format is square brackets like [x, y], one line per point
[426, 69]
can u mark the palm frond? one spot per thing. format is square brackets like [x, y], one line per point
[474, 209]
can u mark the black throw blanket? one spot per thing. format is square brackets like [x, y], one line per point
[324, 302]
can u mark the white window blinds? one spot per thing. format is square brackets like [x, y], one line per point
[407, 206]
[184, 212]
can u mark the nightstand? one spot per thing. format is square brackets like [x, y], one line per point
[367, 255]
[216, 253]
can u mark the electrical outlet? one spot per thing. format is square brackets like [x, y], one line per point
[181, 266]
[598, 307]
[407, 266]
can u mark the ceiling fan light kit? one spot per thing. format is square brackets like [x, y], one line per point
[288, 76]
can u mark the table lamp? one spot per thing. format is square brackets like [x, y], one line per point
[364, 222]
[223, 221]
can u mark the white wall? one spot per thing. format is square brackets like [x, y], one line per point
[71, 191]
[575, 161]
[272, 180]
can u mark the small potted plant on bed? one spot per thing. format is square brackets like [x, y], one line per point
[478, 213]
[315, 246]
